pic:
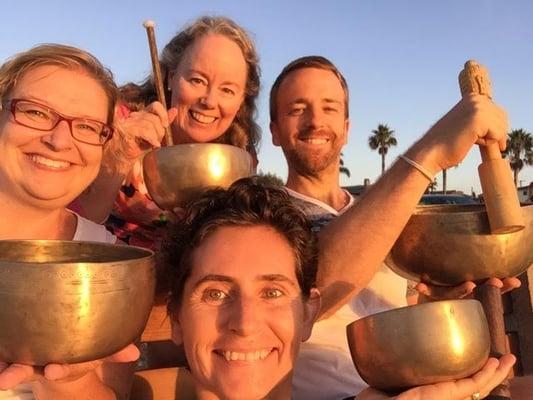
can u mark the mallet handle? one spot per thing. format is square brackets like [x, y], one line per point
[499, 191]
[156, 68]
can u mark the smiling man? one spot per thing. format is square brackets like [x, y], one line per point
[310, 121]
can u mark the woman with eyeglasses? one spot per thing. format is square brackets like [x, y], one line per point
[57, 113]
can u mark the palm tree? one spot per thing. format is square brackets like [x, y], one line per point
[432, 186]
[520, 151]
[342, 168]
[381, 140]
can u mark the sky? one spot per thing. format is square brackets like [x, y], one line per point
[401, 58]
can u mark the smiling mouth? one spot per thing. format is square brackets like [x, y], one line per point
[249, 356]
[49, 163]
[201, 118]
[315, 140]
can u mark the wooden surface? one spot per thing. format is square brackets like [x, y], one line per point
[158, 325]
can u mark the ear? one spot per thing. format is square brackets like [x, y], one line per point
[346, 130]
[275, 133]
[177, 336]
[311, 311]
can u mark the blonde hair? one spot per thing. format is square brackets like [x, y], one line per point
[61, 55]
[243, 131]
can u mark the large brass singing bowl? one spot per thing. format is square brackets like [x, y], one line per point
[68, 302]
[450, 244]
[419, 345]
[176, 175]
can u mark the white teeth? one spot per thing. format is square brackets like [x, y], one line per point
[316, 141]
[204, 119]
[249, 356]
[49, 163]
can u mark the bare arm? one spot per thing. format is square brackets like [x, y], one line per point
[135, 135]
[353, 246]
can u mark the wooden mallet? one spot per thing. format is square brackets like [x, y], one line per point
[156, 68]
[499, 191]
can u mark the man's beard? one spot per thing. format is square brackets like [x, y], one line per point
[309, 163]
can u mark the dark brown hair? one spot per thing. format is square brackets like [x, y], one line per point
[248, 202]
[317, 62]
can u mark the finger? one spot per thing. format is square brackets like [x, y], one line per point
[494, 282]
[449, 292]
[172, 114]
[144, 125]
[55, 372]
[127, 354]
[15, 374]
[510, 284]
[160, 111]
[491, 380]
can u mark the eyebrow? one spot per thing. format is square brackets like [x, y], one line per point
[205, 76]
[227, 279]
[325, 100]
[44, 103]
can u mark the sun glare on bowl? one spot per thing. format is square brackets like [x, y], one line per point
[85, 280]
[217, 164]
[456, 337]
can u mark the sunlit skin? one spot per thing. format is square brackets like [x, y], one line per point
[311, 124]
[207, 89]
[242, 315]
[49, 169]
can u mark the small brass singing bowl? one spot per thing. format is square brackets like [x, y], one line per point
[69, 302]
[419, 345]
[450, 244]
[177, 175]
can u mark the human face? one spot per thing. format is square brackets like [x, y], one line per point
[207, 89]
[311, 125]
[49, 169]
[242, 315]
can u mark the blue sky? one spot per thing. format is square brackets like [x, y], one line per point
[400, 57]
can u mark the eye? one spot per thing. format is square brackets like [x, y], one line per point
[214, 296]
[294, 111]
[196, 81]
[228, 91]
[272, 293]
[330, 110]
[87, 127]
[34, 112]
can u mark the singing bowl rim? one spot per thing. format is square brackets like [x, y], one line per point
[61, 242]
[190, 151]
[368, 365]
[449, 215]
[38, 332]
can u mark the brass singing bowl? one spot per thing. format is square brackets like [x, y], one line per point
[419, 345]
[450, 244]
[69, 302]
[176, 175]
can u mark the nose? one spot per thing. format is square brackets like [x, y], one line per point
[244, 317]
[209, 99]
[59, 138]
[315, 118]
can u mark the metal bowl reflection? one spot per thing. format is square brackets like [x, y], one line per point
[176, 175]
[450, 244]
[68, 302]
[422, 344]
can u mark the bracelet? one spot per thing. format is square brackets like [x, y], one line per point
[417, 166]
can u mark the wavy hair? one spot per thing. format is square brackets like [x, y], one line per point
[243, 131]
